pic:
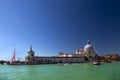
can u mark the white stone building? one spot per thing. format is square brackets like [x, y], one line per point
[88, 52]
[78, 57]
[32, 59]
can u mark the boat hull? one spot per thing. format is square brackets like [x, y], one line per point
[96, 62]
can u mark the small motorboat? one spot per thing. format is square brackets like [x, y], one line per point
[96, 62]
[60, 64]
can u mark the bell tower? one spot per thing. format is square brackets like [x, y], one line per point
[31, 53]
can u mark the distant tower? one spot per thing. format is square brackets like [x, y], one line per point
[30, 47]
[30, 59]
[31, 53]
[77, 51]
[81, 50]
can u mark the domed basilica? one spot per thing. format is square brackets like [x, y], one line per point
[87, 52]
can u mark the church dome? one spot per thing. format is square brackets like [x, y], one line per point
[88, 47]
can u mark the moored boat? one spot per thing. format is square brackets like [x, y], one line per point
[14, 62]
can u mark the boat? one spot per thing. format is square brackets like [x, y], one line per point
[14, 62]
[96, 62]
[67, 63]
[60, 64]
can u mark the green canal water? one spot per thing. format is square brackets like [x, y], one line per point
[82, 71]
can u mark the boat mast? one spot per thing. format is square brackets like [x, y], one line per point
[13, 57]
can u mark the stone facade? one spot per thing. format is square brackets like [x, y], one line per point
[78, 57]
[89, 52]
[32, 59]
[54, 60]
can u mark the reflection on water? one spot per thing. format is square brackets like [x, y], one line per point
[83, 71]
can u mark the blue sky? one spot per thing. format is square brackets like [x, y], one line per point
[52, 26]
